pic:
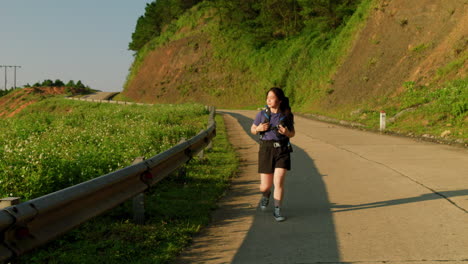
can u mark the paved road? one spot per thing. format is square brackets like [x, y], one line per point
[352, 196]
[101, 95]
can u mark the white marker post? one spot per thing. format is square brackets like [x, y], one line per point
[382, 120]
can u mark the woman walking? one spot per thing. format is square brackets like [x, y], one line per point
[275, 125]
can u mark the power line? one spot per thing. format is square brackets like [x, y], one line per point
[9, 66]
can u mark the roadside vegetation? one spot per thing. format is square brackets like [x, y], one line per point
[176, 209]
[57, 143]
[437, 113]
[437, 110]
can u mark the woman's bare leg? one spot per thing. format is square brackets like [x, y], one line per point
[266, 182]
[278, 180]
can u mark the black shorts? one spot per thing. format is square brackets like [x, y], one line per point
[271, 157]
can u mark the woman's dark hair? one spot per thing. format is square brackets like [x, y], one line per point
[284, 107]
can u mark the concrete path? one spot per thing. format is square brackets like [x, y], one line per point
[352, 196]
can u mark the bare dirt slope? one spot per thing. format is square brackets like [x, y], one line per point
[402, 41]
[13, 103]
[185, 71]
[174, 72]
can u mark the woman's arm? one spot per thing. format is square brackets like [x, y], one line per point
[253, 129]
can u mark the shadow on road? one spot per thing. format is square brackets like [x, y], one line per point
[421, 198]
[308, 235]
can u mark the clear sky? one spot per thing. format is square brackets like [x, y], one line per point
[83, 40]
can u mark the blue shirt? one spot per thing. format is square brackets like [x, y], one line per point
[274, 122]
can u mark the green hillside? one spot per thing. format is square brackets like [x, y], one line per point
[347, 60]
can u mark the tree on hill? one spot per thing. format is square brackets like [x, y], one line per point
[264, 20]
[47, 83]
[58, 83]
[268, 20]
[70, 83]
[79, 84]
[158, 14]
[147, 27]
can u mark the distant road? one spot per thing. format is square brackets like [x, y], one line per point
[352, 196]
[101, 95]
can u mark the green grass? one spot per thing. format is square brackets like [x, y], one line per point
[452, 66]
[57, 143]
[441, 109]
[421, 47]
[302, 64]
[122, 97]
[433, 110]
[176, 209]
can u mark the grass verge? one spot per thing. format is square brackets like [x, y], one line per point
[437, 113]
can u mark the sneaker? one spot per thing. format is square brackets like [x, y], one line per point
[277, 215]
[264, 202]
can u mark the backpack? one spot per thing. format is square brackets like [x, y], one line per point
[282, 121]
[267, 116]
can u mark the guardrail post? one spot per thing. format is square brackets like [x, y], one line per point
[139, 202]
[9, 201]
[211, 120]
[210, 145]
[201, 154]
[181, 171]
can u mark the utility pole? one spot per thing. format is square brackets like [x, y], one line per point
[9, 66]
[5, 76]
[14, 87]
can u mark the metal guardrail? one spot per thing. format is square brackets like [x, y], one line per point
[104, 101]
[28, 225]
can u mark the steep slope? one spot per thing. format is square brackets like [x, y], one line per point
[169, 74]
[185, 70]
[402, 41]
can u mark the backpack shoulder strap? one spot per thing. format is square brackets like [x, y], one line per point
[267, 116]
[267, 113]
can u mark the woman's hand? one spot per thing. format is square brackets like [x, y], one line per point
[285, 131]
[282, 130]
[263, 127]
[260, 128]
